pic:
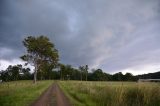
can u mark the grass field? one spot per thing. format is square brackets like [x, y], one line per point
[112, 93]
[21, 93]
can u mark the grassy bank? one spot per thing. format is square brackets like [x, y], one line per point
[112, 93]
[21, 93]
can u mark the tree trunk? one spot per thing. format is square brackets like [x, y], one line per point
[61, 75]
[41, 77]
[35, 75]
[81, 75]
[86, 75]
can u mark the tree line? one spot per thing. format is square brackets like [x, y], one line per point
[64, 72]
[16, 72]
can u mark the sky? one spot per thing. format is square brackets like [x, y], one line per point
[114, 35]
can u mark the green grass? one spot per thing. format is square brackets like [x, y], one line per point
[21, 93]
[112, 93]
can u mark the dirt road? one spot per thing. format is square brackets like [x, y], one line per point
[53, 96]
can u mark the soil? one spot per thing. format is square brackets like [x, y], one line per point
[53, 96]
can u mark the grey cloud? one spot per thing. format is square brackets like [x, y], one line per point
[112, 35]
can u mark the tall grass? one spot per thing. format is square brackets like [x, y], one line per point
[21, 93]
[112, 93]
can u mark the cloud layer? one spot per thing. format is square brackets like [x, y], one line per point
[112, 35]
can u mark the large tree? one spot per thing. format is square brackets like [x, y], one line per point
[39, 51]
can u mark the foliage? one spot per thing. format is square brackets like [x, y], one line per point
[16, 72]
[63, 72]
[84, 72]
[40, 51]
[99, 75]
[68, 72]
[155, 75]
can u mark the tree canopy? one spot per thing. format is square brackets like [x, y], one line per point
[40, 51]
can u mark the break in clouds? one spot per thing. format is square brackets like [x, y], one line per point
[114, 35]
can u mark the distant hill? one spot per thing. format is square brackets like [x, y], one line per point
[155, 75]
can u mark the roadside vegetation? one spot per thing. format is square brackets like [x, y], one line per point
[21, 93]
[111, 93]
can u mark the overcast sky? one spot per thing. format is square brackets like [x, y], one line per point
[114, 35]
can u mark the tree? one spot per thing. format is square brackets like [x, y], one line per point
[128, 77]
[45, 70]
[81, 68]
[26, 75]
[75, 74]
[39, 51]
[12, 73]
[86, 71]
[66, 72]
[62, 71]
[98, 75]
[15, 71]
[117, 76]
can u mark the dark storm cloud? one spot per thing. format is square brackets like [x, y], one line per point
[113, 35]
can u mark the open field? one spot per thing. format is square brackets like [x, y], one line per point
[25, 93]
[21, 93]
[112, 93]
